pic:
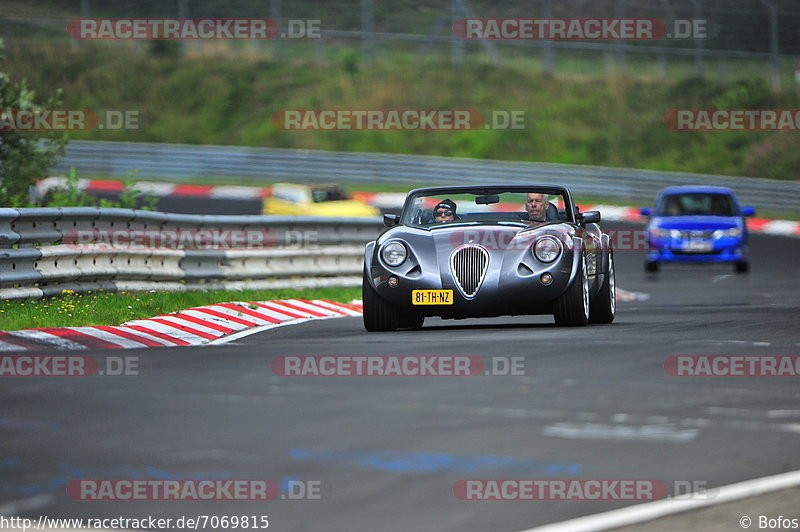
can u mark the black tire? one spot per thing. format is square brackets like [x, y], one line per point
[411, 320]
[572, 307]
[604, 307]
[742, 266]
[378, 315]
[651, 266]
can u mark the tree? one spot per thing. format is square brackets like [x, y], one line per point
[24, 155]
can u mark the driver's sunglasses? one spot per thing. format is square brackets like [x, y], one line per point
[444, 213]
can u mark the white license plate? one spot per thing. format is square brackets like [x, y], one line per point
[697, 245]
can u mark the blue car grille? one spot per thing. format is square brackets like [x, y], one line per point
[469, 265]
[696, 234]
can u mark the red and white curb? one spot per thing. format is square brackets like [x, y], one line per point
[157, 189]
[210, 324]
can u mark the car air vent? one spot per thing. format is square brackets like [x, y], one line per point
[469, 265]
[523, 269]
[414, 272]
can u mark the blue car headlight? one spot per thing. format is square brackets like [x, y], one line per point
[733, 232]
[664, 233]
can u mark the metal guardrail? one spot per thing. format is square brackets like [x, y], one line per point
[46, 251]
[180, 162]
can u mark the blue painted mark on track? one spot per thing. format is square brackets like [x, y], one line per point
[421, 462]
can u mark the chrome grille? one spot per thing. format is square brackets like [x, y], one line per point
[469, 265]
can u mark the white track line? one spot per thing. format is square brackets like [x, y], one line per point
[336, 306]
[648, 511]
[255, 330]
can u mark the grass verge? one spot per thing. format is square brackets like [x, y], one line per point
[106, 308]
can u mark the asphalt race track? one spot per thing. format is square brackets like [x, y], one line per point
[594, 403]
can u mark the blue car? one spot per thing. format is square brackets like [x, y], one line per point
[697, 224]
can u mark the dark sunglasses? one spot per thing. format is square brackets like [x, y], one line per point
[444, 213]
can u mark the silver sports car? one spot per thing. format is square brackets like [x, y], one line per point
[482, 251]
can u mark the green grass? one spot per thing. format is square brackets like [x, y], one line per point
[105, 308]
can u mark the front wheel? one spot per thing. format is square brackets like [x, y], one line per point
[742, 266]
[604, 306]
[651, 266]
[378, 315]
[572, 307]
[412, 320]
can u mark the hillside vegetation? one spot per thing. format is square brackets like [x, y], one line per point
[616, 121]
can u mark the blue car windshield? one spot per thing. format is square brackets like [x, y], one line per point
[696, 204]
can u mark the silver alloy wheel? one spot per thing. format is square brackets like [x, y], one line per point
[612, 284]
[585, 289]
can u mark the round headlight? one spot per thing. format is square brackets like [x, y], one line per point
[547, 249]
[394, 253]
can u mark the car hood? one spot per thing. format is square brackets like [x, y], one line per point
[696, 223]
[343, 208]
[500, 238]
[491, 237]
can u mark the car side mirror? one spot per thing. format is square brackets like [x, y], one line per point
[390, 220]
[644, 211]
[590, 217]
[748, 211]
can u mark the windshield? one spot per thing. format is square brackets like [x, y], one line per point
[442, 208]
[697, 204]
[321, 195]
